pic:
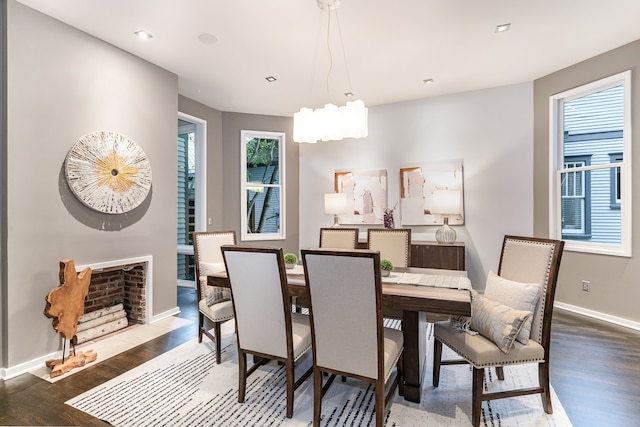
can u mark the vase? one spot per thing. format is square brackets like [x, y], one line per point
[388, 220]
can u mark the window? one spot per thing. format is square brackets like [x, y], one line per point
[615, 181]
[575, 189]
[262, 191]
[590, 185]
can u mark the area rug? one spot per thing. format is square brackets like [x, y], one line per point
[184, 387]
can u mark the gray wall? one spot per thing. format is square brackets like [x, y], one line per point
[3, 181]
[215, 172]
[614, 284]
[232, 124]
[490, 131]
[64, 84]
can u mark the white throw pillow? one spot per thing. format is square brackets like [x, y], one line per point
[517, 295]
[210, 268]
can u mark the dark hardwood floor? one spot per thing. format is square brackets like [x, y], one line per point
[594, 370]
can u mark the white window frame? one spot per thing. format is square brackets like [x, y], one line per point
[556, 162]
[244, 136]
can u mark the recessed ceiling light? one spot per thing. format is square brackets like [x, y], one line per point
[207, 38]
[270, 79]
[427, 81]
[143, 34]
[502, 28]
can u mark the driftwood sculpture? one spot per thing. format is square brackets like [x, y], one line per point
[65, 304]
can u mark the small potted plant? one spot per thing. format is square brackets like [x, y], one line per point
[386, 266]
[290, 260]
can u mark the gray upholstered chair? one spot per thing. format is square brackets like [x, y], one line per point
[524, 262]
[265, 325]
[394, 244]
[345, 295]
[339, 237]
[214, 303]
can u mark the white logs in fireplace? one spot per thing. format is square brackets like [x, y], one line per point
[101, 322]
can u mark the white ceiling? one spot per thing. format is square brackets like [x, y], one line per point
[391, 46]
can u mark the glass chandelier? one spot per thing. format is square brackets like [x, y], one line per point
[331, 123]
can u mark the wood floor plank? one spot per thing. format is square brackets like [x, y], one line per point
[594, 370]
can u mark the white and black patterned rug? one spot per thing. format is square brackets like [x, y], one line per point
[184, 387]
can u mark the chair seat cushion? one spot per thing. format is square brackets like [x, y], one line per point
[301, 334]
[217, 312]
[393, 345]
[481, 352]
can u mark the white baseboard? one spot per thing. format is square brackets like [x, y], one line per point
[14, 371]
[25, 367]
[168, 313]
[598, 315]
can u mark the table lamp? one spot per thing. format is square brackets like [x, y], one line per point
[446, 202]
[335, 204]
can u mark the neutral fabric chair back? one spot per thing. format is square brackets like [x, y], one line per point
[348, 337]
[345, 298]
[394, 244]
[265, 325]
[207, 253]
[339, 238]
[208, 260]
[530, 260]
[257, 290]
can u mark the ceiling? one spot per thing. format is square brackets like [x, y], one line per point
[390, 46]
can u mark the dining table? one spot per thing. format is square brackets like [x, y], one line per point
[413, 292]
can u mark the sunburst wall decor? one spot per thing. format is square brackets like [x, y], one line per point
[108, 172]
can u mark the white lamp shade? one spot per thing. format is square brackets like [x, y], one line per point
[446, 202]
[335, 203]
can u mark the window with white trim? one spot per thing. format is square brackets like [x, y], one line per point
[590, 154]
[262, 169]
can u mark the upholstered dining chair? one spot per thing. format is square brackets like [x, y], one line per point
[394, 244]
[339, 237]
[214, 303]
[265, 325]
[526, 280]
[347, 325]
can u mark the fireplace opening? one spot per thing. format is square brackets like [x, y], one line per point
[117, 298]
[123, 284]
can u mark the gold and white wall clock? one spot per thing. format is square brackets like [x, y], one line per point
[108, 172]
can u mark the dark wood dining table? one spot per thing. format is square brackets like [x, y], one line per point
[415, 302]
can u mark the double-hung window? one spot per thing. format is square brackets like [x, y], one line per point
[590, 156]
[262, 195]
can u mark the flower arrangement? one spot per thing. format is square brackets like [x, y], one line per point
[387, 217]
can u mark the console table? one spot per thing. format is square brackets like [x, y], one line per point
[426, 254]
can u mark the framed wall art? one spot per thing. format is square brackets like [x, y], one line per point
[366, 195]
[431, 192]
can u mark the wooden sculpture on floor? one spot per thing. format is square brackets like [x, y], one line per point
[65, 304]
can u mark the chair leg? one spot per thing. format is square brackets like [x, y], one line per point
[401, 375]
[290, 372]
[200, 326]
[317, 396]
[380, 408]
[500, 372]
[543, 377]
[476, 400]
[242, 375]
[437, 358]
[216, 335]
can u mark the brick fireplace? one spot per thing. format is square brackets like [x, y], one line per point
[125, 281]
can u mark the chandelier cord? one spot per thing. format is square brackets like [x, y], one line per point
[344, 53]
[315, 59]
[330, 55]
